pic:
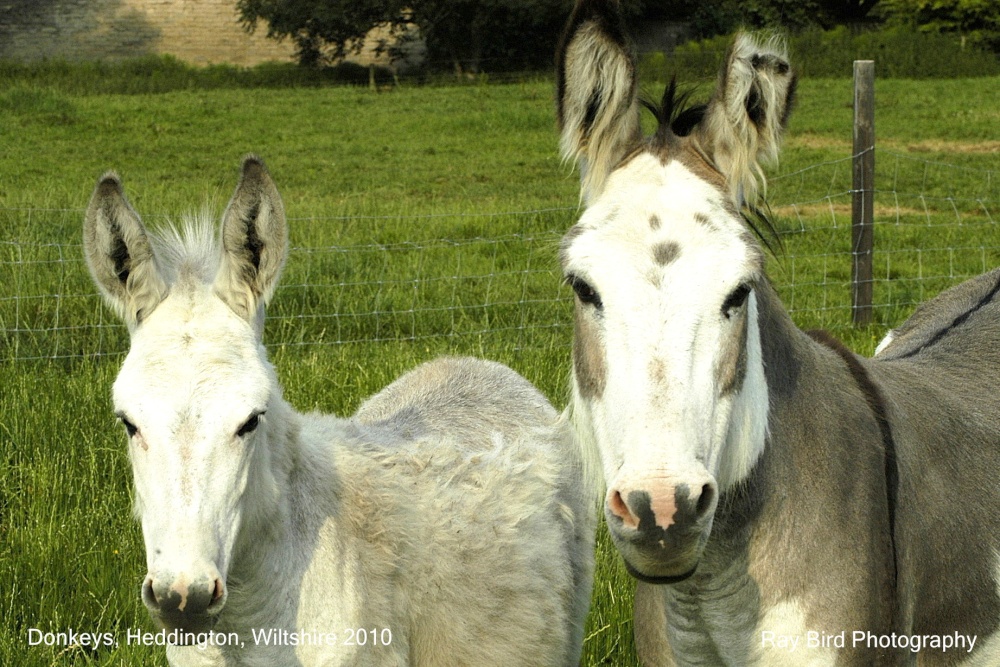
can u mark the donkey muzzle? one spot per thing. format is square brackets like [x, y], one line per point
[179, 601]
[661, 527]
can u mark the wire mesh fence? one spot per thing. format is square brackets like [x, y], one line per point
[495, 275]
[935, 225]
[377, 279]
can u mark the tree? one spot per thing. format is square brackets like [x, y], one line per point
[321, 29]
[977, 22]
[840, 12]
[708, 18]
[465, 34]
[796, 15]
[472, 35]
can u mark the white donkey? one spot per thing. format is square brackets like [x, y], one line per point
[446, 523]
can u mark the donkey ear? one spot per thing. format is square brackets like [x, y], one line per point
[596, 102]
[748, 112]
[119, 254]
[254, 241]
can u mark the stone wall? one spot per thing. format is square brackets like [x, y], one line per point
[197, 31]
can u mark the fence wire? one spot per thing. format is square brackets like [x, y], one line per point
[352, 280]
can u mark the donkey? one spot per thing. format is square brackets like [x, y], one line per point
[445, 523]
[780, 500]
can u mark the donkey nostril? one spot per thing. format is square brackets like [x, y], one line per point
[219, 590]
[148, 593]
[618, 507]
[705, 500]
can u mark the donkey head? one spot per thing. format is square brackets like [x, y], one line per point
[668, 379]
[195, 386]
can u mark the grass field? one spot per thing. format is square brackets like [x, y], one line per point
[424, 221]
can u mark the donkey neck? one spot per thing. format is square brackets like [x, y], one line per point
[823, 403]
[824, 426]
[289, 508]
[819, 490]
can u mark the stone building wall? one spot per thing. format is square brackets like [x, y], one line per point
[207, 31]
[200, 32]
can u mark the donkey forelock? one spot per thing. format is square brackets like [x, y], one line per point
[189, 251]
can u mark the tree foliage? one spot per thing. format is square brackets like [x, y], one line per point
[467, 35]
[974, 21]
[474, 35]
[321, 29]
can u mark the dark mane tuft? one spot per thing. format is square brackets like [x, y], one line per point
[675, 116]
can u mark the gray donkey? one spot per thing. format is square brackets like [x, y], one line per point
[780, 500]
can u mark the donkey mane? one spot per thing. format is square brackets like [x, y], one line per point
[675, 114]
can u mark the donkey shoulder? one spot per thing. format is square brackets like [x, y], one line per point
[466, 427]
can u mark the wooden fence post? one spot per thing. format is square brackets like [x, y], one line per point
[863, 191]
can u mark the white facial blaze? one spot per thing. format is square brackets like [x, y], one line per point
[664, 254]
[188, 388]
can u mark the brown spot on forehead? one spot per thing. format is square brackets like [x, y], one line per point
[657, 371]
[704, 220]
[654, 222]
[590, 369]
[666, 252]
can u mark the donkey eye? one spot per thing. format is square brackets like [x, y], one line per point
[735, 300]
[250, 425]
[130, 428]
[584, 292]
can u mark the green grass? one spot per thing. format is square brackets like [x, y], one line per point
[395, 261]
[164, 73]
